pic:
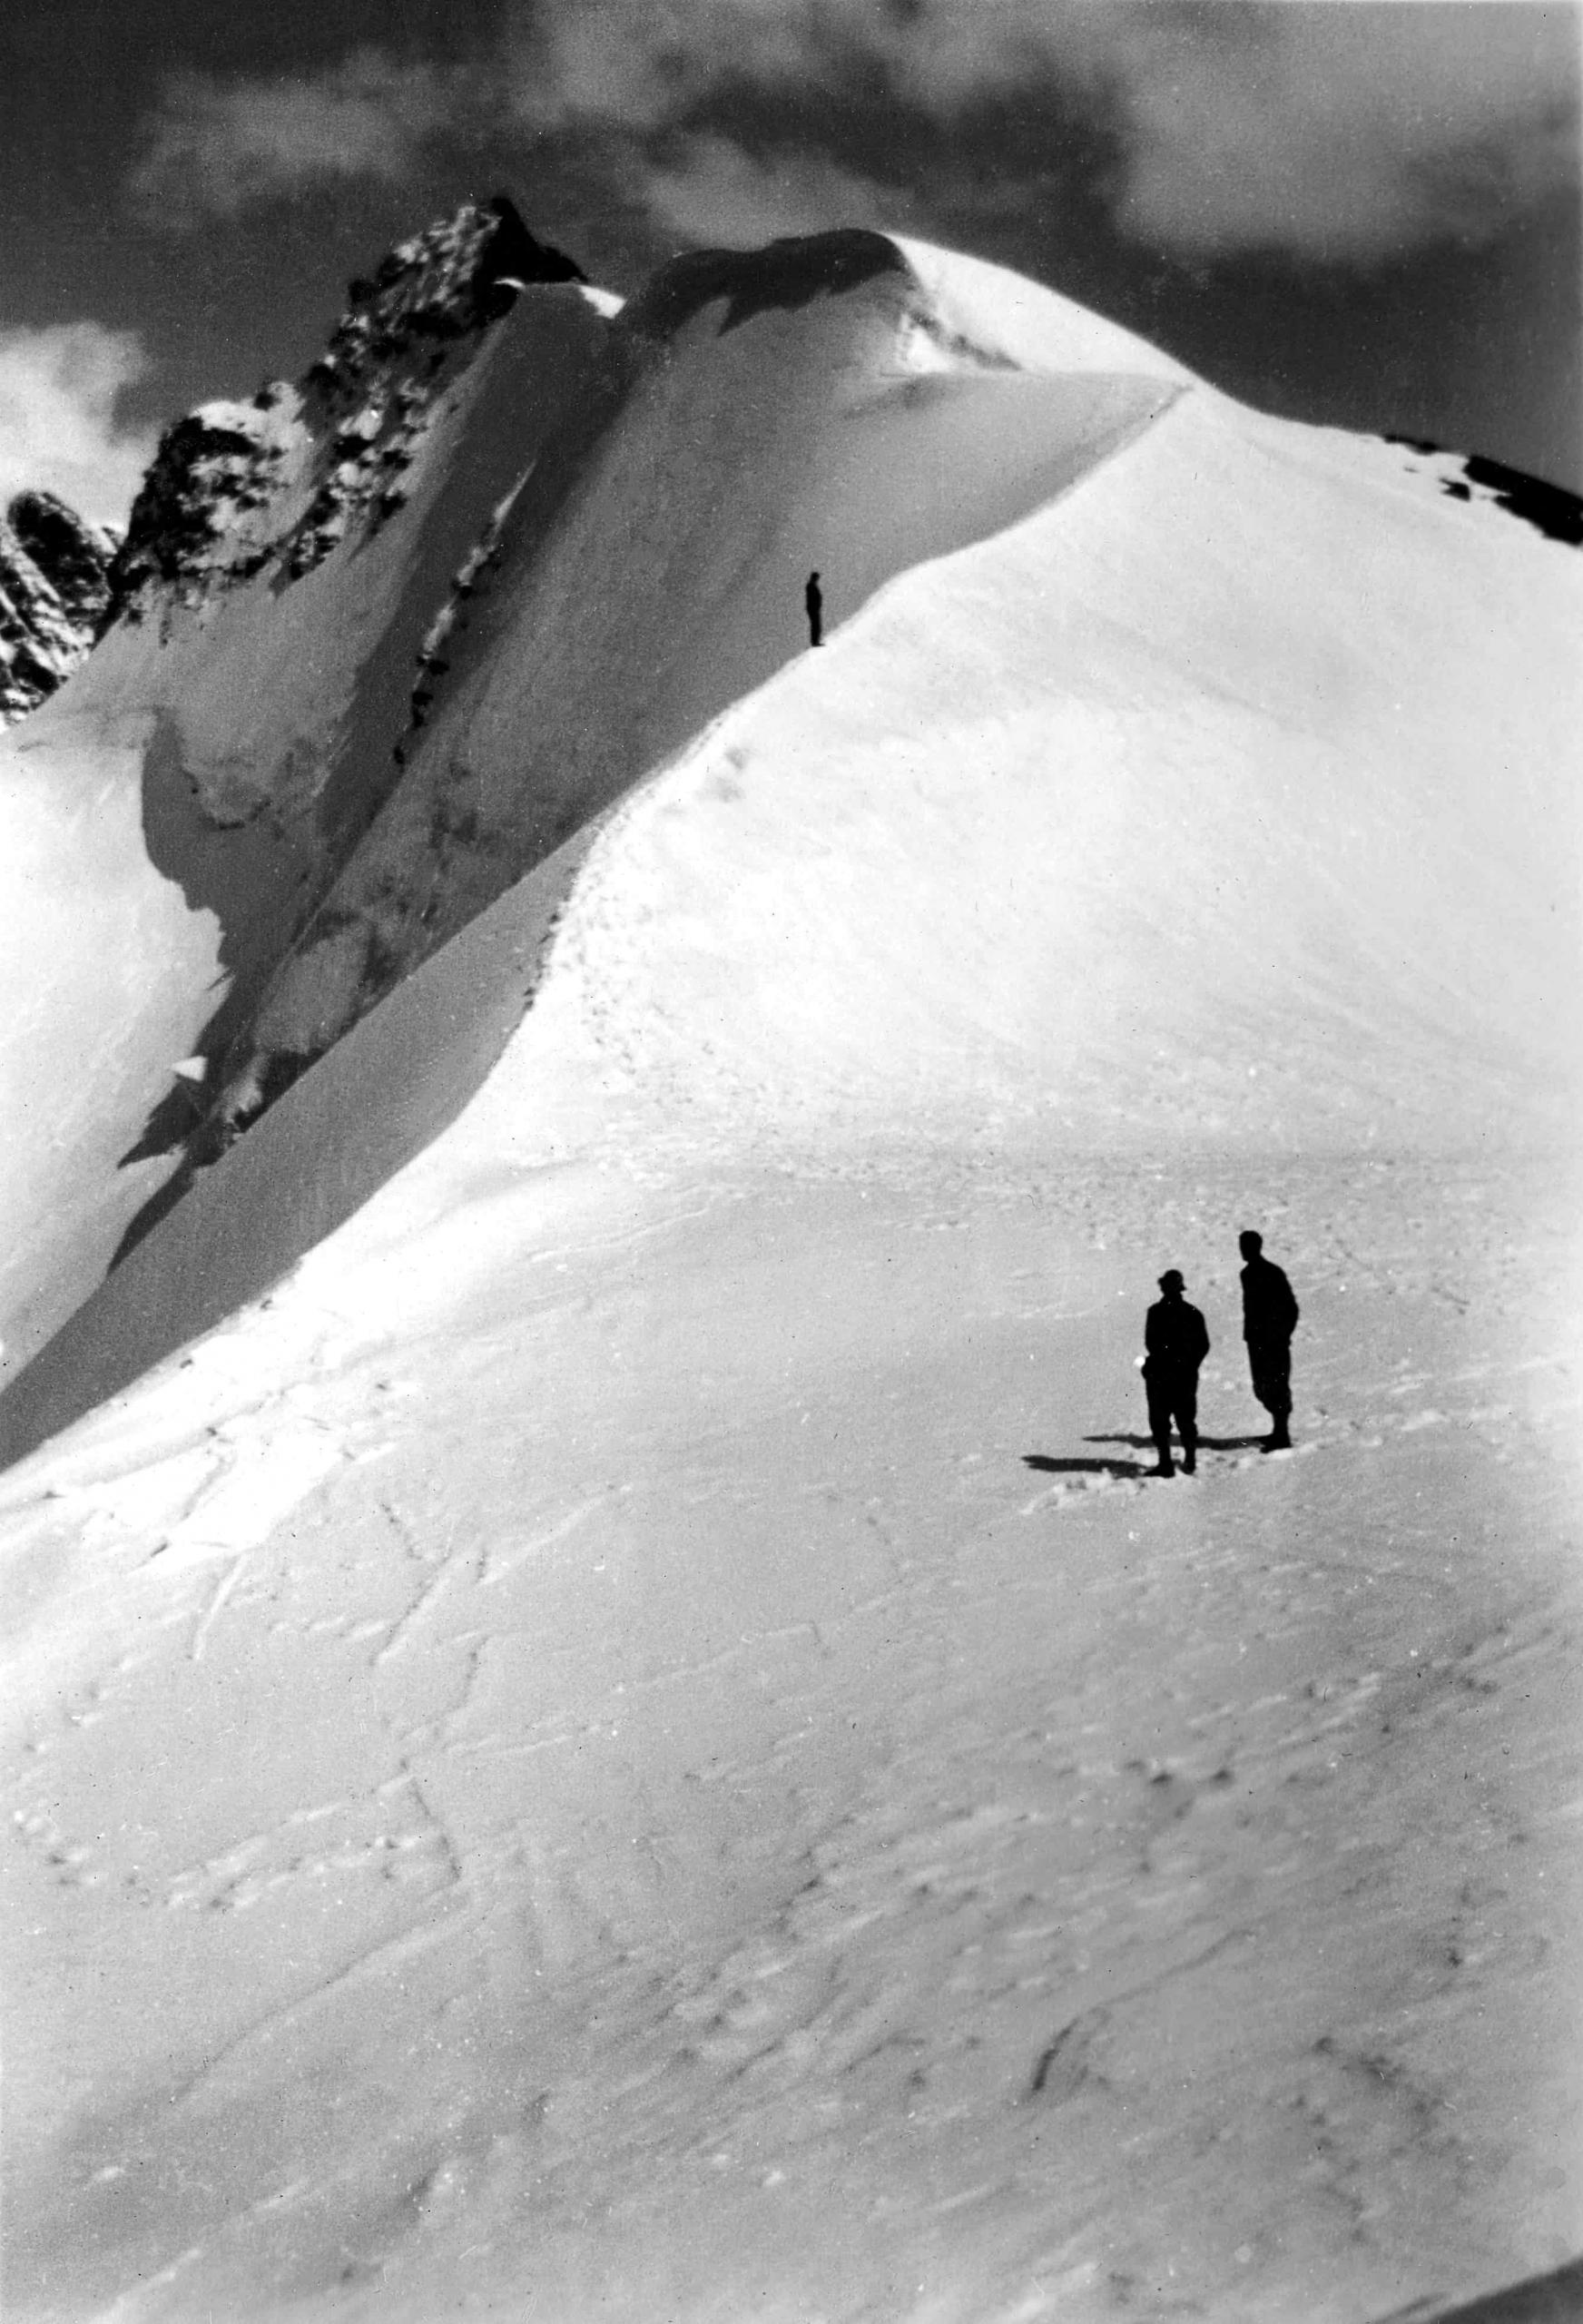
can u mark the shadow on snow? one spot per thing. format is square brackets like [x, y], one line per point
[1205, 1443]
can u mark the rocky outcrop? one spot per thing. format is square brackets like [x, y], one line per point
[53, 590]
[281, 481]
[1468, 476]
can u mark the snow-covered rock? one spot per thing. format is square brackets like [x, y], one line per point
[73, 555]
[53, 593]
[209, 508]
[275, 485]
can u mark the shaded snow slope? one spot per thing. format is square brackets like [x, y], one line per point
[189, 797]
[333, 1138]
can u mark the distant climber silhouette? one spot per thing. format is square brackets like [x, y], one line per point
[1176, 1340]
[1270, 1316]
[813, 598]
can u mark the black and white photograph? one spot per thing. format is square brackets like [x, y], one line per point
[792, 1161]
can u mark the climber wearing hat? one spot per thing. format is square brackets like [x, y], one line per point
[1176, 1342]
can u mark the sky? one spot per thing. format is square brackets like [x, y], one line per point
[1359, 214]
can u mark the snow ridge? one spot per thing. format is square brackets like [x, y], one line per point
[477, 579]
[723, 410]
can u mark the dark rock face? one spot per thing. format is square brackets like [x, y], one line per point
[281, 481]
[1550, 508]
[207, 473]
[73, 555]
[453, 279]
[54, 589]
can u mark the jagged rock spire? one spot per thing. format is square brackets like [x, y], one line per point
[284, 479]
[53, 589]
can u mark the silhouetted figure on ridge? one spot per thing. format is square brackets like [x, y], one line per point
[813, 598]
[1270, 1316]
[1176, 1342]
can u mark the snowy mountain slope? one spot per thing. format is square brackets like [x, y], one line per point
[995, 317]
[598, 1719]
[1170, 812]
[331, 1141]
[1240, 778]
[569, 1762]
[269, 725]
[829, 405]
[198, 784]
[783, 413]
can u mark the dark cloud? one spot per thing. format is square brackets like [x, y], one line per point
[215, 147]
[708, 188]
[1341, 131]
[1351, 213]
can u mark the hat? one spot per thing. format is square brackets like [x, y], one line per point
[1173, 1276]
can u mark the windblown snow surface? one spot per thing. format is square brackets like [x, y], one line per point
[599, 1719]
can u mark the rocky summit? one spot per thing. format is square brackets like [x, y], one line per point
[279, 481]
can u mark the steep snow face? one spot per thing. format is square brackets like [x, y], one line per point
[54, 592]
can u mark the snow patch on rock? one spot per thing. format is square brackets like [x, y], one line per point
[284, 481]
[54, 591]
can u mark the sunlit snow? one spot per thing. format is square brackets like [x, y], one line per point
[600, 1719]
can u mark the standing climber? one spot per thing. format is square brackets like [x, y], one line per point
[813, 598]
[1175, 1341]
[1270, 1316]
